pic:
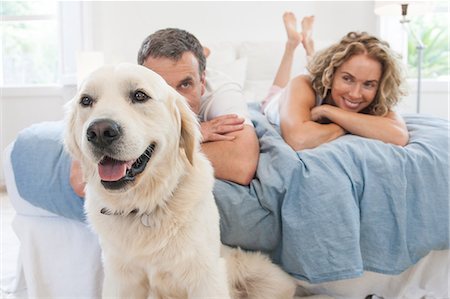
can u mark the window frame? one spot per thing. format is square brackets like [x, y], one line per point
[71, 40]
[391, 30]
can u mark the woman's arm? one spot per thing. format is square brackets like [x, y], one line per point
[390, 128]
[298, 128]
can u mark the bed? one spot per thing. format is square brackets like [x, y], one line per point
[351, 218]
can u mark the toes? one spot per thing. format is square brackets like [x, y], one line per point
[289, 17]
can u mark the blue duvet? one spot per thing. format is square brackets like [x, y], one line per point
[351, 205]
[325, 214]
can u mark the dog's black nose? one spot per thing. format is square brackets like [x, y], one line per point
[103, 132]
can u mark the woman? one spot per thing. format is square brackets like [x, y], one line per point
[352, 87]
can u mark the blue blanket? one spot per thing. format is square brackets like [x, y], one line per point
[325, 214]
[351, 205]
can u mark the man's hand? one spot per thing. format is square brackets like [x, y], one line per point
[76, 178]
[234, 160]
[217, 128]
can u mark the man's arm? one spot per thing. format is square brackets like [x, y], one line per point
[226, 115]
[76, 178]
[234, 160]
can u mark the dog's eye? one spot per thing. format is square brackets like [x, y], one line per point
[140, 96]
[86, 101]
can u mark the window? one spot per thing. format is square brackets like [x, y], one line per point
[30, 46]
[433, 31]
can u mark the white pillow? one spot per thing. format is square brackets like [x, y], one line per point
[221, 53]
[235, 70]
[265, 57]
[256, 90]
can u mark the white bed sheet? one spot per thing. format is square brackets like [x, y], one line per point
[60, 257]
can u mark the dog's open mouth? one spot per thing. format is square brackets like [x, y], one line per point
[115, 174]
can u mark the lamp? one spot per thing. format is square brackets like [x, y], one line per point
[403, 9]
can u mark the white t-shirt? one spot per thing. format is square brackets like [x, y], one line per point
[272, 109]
[222, 96]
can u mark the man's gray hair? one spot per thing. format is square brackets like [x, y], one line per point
[171, 43]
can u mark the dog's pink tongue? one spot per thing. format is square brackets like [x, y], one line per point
[112, 170]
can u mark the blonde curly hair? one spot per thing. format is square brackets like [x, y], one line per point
[391, 87]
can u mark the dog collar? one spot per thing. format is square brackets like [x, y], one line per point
[145, 218]
[105, 211]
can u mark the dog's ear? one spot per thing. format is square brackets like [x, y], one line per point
[190, 131]
[70, 139]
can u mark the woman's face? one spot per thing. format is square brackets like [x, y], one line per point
[356, 82]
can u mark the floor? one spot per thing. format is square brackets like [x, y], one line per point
[9, 249]
[9, 245]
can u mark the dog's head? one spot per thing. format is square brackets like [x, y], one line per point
[126, 122]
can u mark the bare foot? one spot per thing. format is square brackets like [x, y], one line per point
[290, 23]
[307, 41]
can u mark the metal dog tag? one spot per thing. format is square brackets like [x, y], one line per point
[145, 220]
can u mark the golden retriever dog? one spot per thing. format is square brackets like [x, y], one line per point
[149, 194]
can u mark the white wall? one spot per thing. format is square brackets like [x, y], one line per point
[118, 28]
[434, 99]
[218, 21]
[21, 108]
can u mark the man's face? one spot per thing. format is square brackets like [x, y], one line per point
[183, 75]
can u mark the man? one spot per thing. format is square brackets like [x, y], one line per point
[229, 139]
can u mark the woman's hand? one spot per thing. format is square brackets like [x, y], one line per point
[320, 113]
[390, 128]
[317, 113]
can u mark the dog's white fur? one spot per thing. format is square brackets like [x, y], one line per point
[171, 247]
